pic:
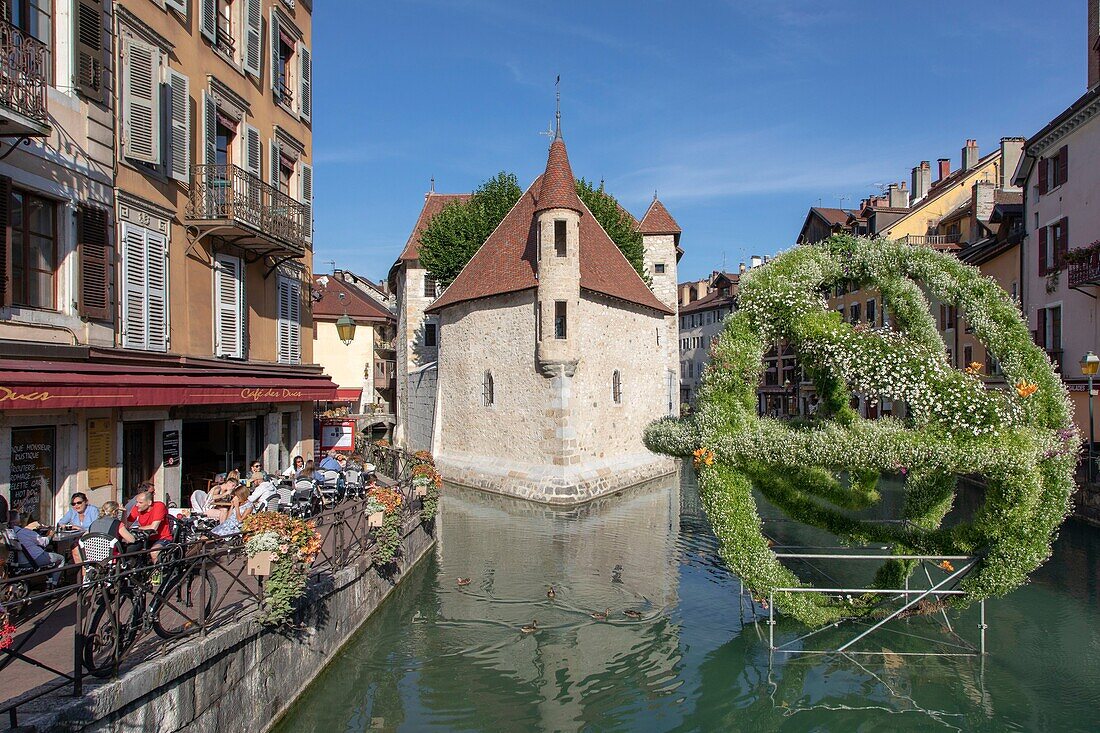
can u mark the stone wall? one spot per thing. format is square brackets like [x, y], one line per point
[411, 352]
[238, 678]
[421, 396]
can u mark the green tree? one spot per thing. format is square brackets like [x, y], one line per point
[618, 224]
[455, 233]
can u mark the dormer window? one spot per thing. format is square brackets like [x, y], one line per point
[559, 237]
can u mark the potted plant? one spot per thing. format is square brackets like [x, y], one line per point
[375, 511]
[389, 533]
[280, 548]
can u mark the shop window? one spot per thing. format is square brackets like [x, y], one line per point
[31, 488]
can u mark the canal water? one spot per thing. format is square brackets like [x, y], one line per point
[439, 656]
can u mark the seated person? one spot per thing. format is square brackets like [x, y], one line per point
[109, 524]
[310, 473]
[33, 546]
[239, 508]
[299, 462]
[143, 486]
[81, 514]
[330, 463]
[218, 500]
[151, 516]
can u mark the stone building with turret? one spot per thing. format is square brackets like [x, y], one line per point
[550, 353]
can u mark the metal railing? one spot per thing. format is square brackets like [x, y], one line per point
[1085, 272]
[24, 72]
[931, 240]
[120, 615]
[227, 192]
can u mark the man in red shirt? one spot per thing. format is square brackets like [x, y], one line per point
[151, 516]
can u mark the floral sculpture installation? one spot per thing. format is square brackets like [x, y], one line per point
[1020, 440]
[294, 543]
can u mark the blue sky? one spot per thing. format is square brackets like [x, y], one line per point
[740, 113]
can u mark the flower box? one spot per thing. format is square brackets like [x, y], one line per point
[375, 519]
[260, 563]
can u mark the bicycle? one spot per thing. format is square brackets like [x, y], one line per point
[174, 607]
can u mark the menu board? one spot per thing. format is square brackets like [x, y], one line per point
[339, 435]
[32, 468]
[99, 452]
[170, 446]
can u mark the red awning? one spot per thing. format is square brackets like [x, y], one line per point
[60, 390]
[349, 395]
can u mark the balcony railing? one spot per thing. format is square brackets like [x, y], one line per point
[932, 240]
[24, 74]
[384, 372]
[228, 194]
[1085, 271]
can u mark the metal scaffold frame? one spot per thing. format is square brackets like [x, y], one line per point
[909, 596]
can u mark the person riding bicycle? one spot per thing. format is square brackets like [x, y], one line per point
[151, 516]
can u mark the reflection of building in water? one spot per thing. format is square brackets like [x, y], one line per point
[616, 553]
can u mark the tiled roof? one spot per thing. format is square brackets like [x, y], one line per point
[558, 189]
[713, 299]
[433, 204]
[657, 220]
[505, 263]
[834, 217]
[360, 307]
[1000, 196]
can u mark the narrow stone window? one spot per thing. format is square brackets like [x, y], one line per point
[429, 286]
[658, 330]
[559, 237]
[487, 395]
[616, 387]
[659, 268]
[538, 320]
[559, 319]
[430, 339]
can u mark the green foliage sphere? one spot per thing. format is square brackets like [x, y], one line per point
[1021, 441]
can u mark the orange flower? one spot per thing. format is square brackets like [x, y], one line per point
[946, 565]
[703, 456]
[1026, 389]
[975, 367]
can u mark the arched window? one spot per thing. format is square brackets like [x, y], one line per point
[487, 389]
[616, 387]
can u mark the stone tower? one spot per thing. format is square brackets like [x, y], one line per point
[661, 242]
[558, 268]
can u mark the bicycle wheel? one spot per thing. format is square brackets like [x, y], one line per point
[108, 637]
[177, 607]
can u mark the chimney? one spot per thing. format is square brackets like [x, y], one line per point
[755, 261]
[981, 200]
[922, 180]
[945, 168]
[1093, 56]
[1012, 149]
[897, 197]
[970, 155]
[741, 268]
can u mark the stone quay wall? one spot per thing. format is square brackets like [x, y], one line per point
[238, 678]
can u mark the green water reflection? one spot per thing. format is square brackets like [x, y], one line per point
[440, 657]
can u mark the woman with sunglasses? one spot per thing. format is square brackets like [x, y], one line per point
[81, 514]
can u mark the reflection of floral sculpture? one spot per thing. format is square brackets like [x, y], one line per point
[1021, 441]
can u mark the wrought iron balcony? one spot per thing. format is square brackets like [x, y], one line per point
[24, 78]
[1084, 270]
[247, 211]
[932, 240]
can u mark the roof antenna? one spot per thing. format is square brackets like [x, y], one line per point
[654, 194]
[557, 108]
[333, 263]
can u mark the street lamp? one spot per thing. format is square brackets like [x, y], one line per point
[1089, 364]
[345, 327]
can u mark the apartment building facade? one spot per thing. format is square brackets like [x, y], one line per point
[700, 322]
[167, 334]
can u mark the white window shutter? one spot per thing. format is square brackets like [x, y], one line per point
[274, 51]
[288, 334]
[305, 195]
[305, 82]
[252, 148]
[209, 129]
[134, 314]
[141, 101]
[253, 37]
[274, 158]
[208, 19]
[228, 306]
[157, 290]
[179, 102]
[180, 6]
